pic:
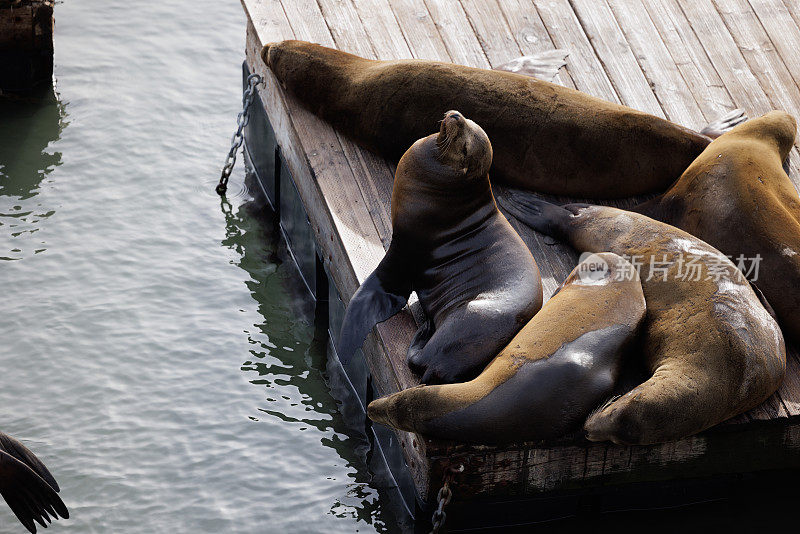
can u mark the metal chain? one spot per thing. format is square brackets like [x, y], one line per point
[238, 138]
[444, 496]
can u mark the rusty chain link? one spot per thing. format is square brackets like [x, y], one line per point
[238, 138]
[444, 496]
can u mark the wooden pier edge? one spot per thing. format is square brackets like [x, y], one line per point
[345, 192]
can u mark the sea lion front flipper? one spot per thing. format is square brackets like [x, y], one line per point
[27, 494]
[421, 338]
[383, 294]
[722, 124]
[543, 66]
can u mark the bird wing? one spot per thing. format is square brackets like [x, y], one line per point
[24, 455]
[27, 494]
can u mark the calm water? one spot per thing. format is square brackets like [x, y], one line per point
[156, 350]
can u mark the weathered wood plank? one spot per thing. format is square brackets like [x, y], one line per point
[420, 30]
[783, 31]
[615, 53]
[461, 43]
[530, 33]
[566, 32]
[661, 72]
[760, 55]
[689, 56]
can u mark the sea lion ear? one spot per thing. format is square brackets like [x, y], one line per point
[380, 297]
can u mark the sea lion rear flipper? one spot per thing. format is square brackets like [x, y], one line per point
[722, 124]
[383, 294]
[543, 66]
[540, 215]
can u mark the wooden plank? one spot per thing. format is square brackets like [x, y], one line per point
[372, 175]
[530, 33]
[566, 32]
[689, 56]
[615, 53]
[420, 30]
[488, 24]
[783, 31]
[760, 55]
[454, 28]
[382, 28]
[655, 61]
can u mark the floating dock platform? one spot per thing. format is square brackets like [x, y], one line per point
[687, 60]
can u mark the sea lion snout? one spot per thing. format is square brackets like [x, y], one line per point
[463, 145]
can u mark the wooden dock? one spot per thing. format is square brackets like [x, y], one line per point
[687, 60]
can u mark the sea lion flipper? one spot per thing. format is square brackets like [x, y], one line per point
[542, 216]
[543, 66]
[724, 123]
[383, 294]
[421, 338]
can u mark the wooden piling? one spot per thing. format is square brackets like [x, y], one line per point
[26, 44]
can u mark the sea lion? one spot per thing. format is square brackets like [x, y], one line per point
[560, 366]
[713, 349]
[547, 138]
[27, 486]
[737, 197]
[475, 278]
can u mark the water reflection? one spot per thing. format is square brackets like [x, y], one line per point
[289, 359]
[32, 123]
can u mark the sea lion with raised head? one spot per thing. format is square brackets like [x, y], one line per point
[737, 197]
[545, 382]
[713, 349]
[27, 486]
[475, 278]
[547, 138]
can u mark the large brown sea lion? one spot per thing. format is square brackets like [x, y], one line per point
[737, 197]
[547, 138]
[475, 278]
[27, 486]
[560, 366]
[713, 349]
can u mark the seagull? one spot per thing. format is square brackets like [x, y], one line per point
[27, 486]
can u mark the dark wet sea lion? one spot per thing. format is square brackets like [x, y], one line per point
[476, 280]
[27, 486]
[737, 197]
[560, 366]
[713, 349]
[547, 138]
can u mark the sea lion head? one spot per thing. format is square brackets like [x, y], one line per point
[776, 126]
[463, 146]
